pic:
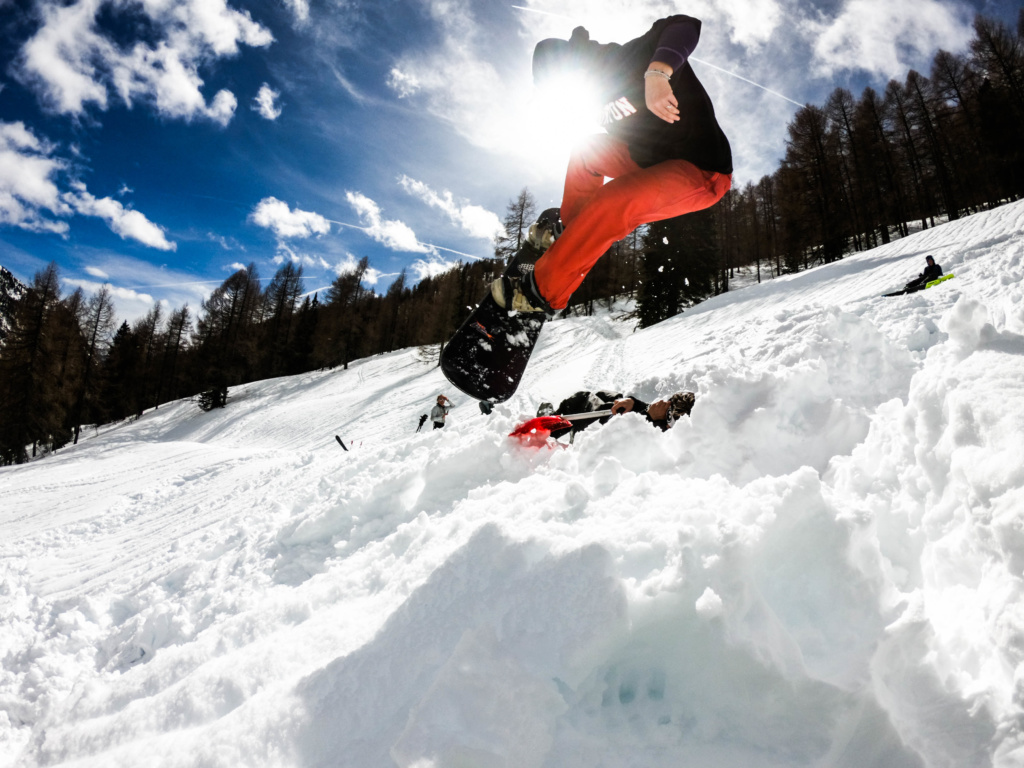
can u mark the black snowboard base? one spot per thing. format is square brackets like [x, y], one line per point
[340, 442]
[487, 356]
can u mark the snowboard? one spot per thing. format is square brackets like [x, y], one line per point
[929, 284]
[487, 356]
[340, 442]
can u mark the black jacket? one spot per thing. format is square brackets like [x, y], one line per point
[696, 136]
[931, 272]
[588, 402]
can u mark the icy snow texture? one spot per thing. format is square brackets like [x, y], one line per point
[821, 567]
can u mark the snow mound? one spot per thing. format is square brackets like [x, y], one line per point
[821, 567]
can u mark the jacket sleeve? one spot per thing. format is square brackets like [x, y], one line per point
[639, 406]
[677, 41]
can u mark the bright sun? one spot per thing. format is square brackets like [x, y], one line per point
[561, 112]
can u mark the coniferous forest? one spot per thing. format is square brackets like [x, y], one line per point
[858, 171]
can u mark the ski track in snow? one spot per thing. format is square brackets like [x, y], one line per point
[821, 567]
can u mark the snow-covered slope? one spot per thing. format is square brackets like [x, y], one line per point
[822, 567]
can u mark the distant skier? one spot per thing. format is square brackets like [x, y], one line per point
[423, 419]
[932, 271]
[664, 151]
[439, 412]
[661, 413]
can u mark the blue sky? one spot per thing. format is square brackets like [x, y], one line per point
[156, 145]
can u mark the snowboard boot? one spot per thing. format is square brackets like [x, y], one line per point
[517, 289]
[546, 229]
[520, 294]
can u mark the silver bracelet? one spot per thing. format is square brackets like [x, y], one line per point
[658, 72]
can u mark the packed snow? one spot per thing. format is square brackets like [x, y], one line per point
[822, 566]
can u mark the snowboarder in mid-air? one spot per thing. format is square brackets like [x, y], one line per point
[665, 154]
[664, 151]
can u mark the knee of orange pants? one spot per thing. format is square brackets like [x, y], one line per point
[663, 191]
[592, 160]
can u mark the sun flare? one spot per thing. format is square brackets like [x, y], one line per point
[562, 111]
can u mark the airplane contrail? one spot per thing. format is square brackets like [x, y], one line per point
[427, 245]
[543, 13]
[745, 80]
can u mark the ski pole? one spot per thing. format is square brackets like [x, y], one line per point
[585, 416]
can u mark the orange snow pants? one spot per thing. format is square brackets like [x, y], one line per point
[596, 214]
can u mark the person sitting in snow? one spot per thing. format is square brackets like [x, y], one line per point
[661, 413]
[440, 411]
[932, 271]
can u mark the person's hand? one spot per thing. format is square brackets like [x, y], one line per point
[658, 411]
[658, 94]
[622, 406]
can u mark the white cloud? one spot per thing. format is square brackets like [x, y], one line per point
[475, 219]
[284, 222]
[349, 87]
[266, 103]
[71, 63]
[127, 223]
[431, 268]
[287, 253]
[137, 285]
[225, 243]
[461, 86]
[350, 263]
[236, 266]
[346, 266]
[396, 235]
[402, 83]
[116, 292]
[752, 23]
[27, 186]
[29, 191]
[886, 38]
[223, 107]
[373, 276]
[299, 9]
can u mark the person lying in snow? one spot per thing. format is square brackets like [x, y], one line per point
[661, 413]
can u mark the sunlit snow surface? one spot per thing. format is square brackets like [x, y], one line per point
[822, 567]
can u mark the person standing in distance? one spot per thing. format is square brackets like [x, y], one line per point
[440, 411]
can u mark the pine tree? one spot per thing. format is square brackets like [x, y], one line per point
[30, 407]
[519, 215]
[280, 297]
[175, 341]
[96, 331]
[119, 376]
